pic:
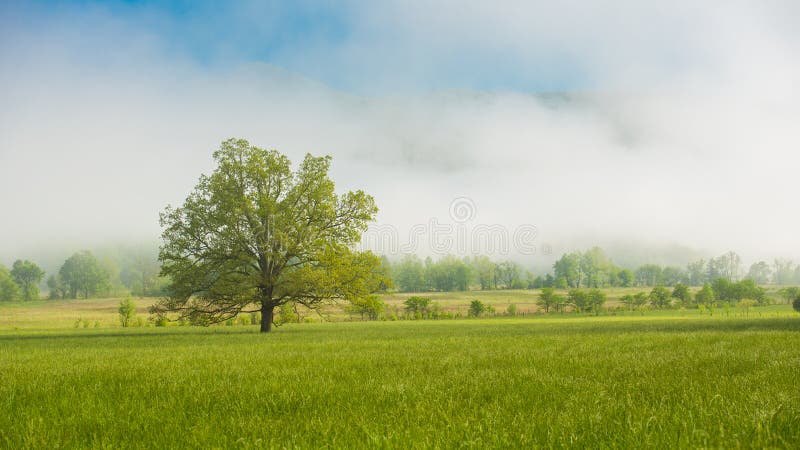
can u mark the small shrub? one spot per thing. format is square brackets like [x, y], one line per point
[477, 308]
[229, 322]
[127, 310]
[511, 310]
[244, 320]
[796, 304]
[161, 321]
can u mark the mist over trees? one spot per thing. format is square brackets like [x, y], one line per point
[592, 268]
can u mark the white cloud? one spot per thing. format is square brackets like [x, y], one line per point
[688, 136]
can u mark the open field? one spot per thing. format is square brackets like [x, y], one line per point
[102, 313]
[660, 380]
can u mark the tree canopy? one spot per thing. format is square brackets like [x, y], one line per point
[255, 235]
[27, 275]
[81, 274]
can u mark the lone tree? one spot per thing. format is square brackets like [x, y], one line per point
[253, 236]
[27, 275]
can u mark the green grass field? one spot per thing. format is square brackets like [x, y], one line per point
[659, 380]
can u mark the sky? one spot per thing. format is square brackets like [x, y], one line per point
[623, 123]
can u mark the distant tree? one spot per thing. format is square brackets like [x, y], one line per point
[548, 299]
[256, 234]
[578, 299]
[511, 310]
[507, 274]
[597, 268]
[784, 272]
[27, 275]
[760, 273]
[706, 297]
[660, 297]
[56, 287]
[83, 275]
[597, 299]
[649, 275]
[139, 273]
[418, 305]
[484, 270]
[682, 294]
[671, 276]
[9, 290]
[369, 307]
[628, 300]
[567, 271]
[724, 289]
[626, 278]
[477, 308]
[746, 304]
[789, 293]
[697, 272]
[725, 266]
[748, 289]
[410, 274]
[127, 311]
[640, 299]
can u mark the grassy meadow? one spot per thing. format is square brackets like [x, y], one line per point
[660, 380]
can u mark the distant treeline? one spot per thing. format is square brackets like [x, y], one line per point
[589, 269]
[83, 275]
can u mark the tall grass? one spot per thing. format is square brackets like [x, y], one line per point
[600, 382]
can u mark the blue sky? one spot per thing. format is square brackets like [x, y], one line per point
[670, 107]
[336, 43]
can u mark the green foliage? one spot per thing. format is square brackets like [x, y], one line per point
[370, 307]
[682, 294]
[447, 275]
[27, 276]
[255, 234]
[477, 308]
[706, 296]
[548, 299]
[287, 313]
[626, 278]
[127, 312]
[789, 293]
[511, 310]
[596, 299]
[746, 304]
[9, 291]
[410, 274]
[579, 299]
[417, 305]
[82, 274]
[660, 297]
[796, 303]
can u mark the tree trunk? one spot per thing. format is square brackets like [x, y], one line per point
[267, 314]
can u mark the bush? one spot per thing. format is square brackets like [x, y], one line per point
[127, 310]
[796, 303]
[161, 321]
[418, 305]
[511, 310]
[477, 308]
